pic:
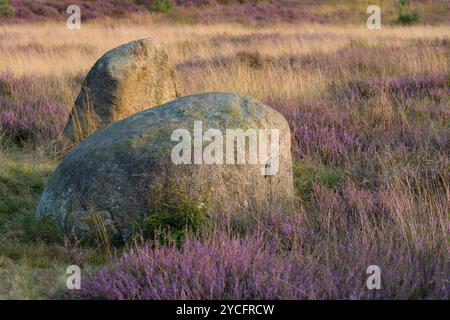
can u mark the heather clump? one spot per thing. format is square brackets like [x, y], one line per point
[30, 112]
[404, 86]
[40, 10]
[228, 268]
[285, 257]
[321, 131]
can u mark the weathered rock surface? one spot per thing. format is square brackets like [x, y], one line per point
[116, 170]
[128, 79]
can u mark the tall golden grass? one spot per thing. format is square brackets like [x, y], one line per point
[51, 49]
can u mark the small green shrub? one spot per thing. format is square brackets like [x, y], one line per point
[6, 9]
[174, 213]
[252, 59]
[306, 173]
[405, 15]
[409, 17]
[155, 5]
[46, 230]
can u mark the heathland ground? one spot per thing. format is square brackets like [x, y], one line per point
[369, 115]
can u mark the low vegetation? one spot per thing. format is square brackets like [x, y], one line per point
[369, 117]
[173, 214]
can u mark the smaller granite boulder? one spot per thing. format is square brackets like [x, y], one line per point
[128, 79]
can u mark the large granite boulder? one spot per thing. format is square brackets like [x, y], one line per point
[128, 79]
[117, 169]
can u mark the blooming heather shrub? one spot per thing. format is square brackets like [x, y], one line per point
[253, 11]
[404, 86]
[286, 257]
[320, 132]
[29, 112]
[366, 142]
[440, 94]
[200, 3]
[34, 10]
[228, 268]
